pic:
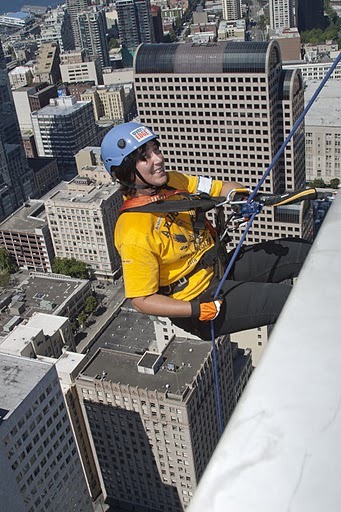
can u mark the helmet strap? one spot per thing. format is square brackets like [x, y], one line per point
[146, 185]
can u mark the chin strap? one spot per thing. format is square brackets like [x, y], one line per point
[132, 185]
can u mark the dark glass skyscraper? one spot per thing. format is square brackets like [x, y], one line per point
[135, 22]
[16, 178]
[309, 14]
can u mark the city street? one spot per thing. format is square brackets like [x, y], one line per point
[112, 299]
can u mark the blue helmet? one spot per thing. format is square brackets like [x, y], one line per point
[122, 140]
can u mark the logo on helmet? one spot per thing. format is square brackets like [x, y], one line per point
[141, 133]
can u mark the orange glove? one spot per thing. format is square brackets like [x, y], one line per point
[206, 311]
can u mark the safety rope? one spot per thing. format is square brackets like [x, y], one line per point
[254, 209]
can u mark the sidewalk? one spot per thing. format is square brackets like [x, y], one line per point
[112, 304]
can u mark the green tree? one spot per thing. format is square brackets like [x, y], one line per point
[113, 43]
[90, 304]
[6, 263]
[81, 319]
[261, 24]
[71, 267]
[335, 182]
[318, 183]
[5, 278]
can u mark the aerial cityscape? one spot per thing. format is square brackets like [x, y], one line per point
[167, 169]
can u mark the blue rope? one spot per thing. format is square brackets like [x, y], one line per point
[249, 224]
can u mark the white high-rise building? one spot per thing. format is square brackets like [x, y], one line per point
[56, 27]
[232, 10]
[281, 14]
[39, 462]
[224, 110]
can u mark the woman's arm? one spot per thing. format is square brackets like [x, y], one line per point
[228, 186]
[161, 305]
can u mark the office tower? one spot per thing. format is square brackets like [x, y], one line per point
[281, 14]
[135, 22]
[224, 110]
[232, 10]
[157, 23]
[75, 7]
[309, 14]
[40, 465]
[92, 33]
[76, 67]
[16, 179]
[153, 418]
[109, 102]
[57, 28]
[30, 98]
[62, 128]
[47, 67]
[323, 132]
[81, 221]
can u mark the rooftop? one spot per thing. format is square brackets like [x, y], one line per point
[26, 219]
[18, 376]
[95, 195]
[327, 106]
[38, 291]
[185, 355]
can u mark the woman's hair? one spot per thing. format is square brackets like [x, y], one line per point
[125, 173]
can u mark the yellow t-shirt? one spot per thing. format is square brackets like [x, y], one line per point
[158, 249]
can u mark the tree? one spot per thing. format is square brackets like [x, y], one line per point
[5, 278]
[71, 267]
[335, 182]
[6, 263]
[81, 319]
[318, 183]
[113, 43]
[90, 304]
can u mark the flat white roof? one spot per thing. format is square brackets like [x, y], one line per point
[326, 110]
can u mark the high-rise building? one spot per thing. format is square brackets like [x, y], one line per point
[232, 10]
[75, 7]
[135, 22]
[92, 33]
[224, 110]
[309, 14]
[81, 221]
[16, 178]
[281, 14]
[39, 462]
[323, 132]
[152, 416]
[47, 67]
[56, 27]
[76, 67]
[62, 128]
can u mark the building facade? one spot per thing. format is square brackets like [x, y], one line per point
[323, 133]
[135, 22]
[40, 465]
[76, 67]
[75, 7]
[30, 98]
[63, 128]
[281, 14]
[153, 419]
[232, 10]
[309, 14]
[81, 222]
[109, 103]
[26, 237]
[47, 67]
[223, 110]
[315, 70]
[16, 179]
[93, 34]
[57, 28]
